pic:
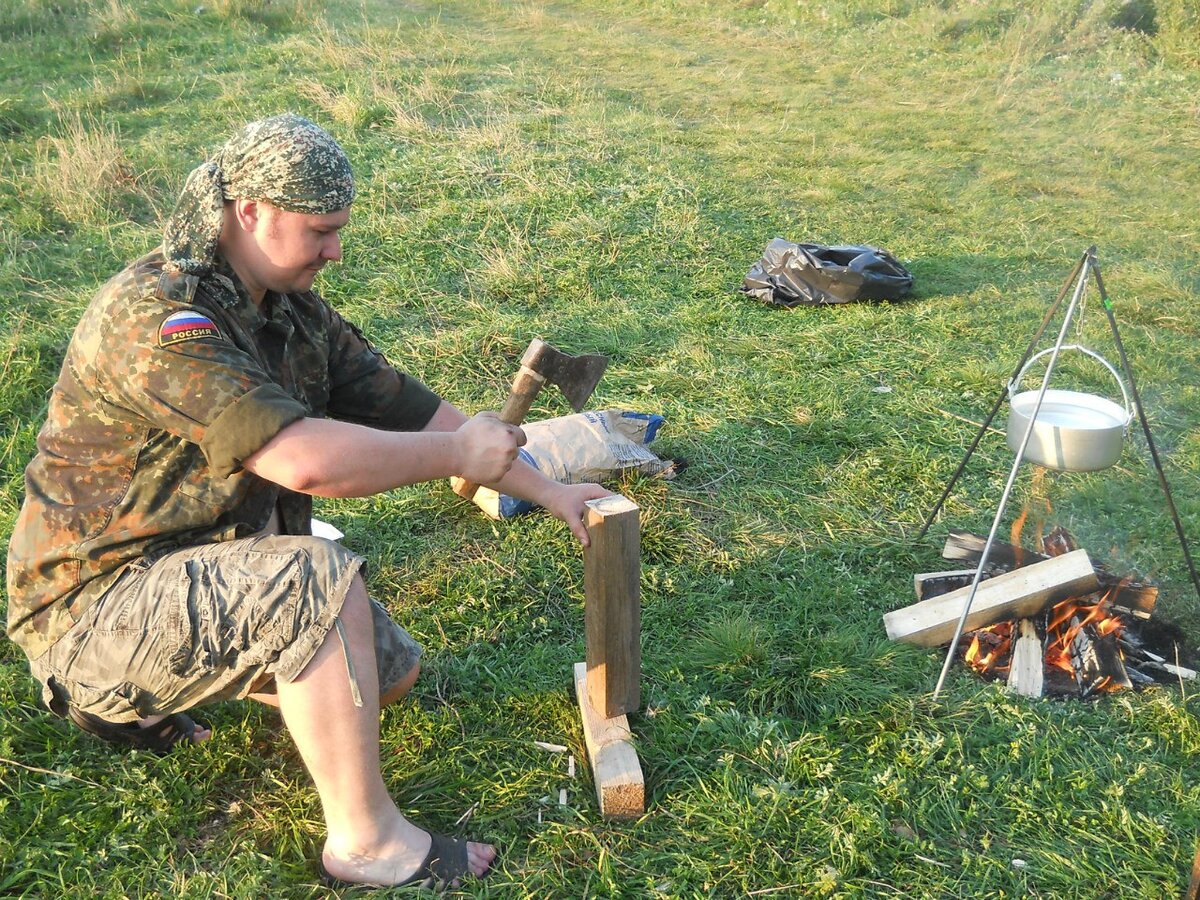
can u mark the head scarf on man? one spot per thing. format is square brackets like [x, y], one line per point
[285, 160]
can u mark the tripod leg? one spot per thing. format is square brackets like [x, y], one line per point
[1137, 402]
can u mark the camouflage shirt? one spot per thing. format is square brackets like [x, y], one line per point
[169, 382]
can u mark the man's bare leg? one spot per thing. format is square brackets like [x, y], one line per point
[369, 840]
[398, 692]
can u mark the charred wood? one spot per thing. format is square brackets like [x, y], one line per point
[1137, 676]
[1132, 599]
[1096, 660]
[1058, 542]
[933, 584]
[968, 547]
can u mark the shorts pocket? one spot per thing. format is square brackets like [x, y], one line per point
[119, 702]
[118, 611]
[233, 610]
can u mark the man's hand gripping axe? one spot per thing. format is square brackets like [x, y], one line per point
[576, 376]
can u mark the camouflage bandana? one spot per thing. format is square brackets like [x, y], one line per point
[285, 160]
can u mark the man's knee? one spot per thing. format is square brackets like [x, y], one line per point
[356, 608]
[401, 688]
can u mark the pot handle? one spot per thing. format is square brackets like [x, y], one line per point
[1015, 384]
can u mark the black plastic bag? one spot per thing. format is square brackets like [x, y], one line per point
[812, 274]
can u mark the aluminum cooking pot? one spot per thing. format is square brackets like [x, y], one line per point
[1073, 432]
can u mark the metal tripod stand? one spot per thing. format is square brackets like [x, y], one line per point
[1087, 266]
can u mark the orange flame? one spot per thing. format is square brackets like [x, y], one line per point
[1067, 619]
[990, 650]
[1037, 493]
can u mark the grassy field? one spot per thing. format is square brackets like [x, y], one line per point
[603, 174]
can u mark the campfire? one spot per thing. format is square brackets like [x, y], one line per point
[1053, 622]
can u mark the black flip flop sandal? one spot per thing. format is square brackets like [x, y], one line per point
[445, 862]
[160, 738]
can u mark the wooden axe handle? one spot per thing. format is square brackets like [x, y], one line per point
[525, 388]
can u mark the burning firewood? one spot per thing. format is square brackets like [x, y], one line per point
[1096, 659]
[1075, 640]
[1026, 672]
[1128, 595]
[1132, 598]
[1021, 592]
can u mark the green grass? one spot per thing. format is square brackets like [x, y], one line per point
[603, 175]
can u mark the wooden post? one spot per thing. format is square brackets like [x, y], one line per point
[613, 609]
[608, 685]
[1193, 890]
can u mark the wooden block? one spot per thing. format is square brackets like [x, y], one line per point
[933, 584]
[1017, 594]
[967, 547]
[1027, 671]
[620, 788]
[612, 576]
[1193, 889]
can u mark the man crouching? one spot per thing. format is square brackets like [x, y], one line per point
[163, 558]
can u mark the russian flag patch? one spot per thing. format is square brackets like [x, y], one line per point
[186, 326]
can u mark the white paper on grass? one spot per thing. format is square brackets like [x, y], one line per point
[325, 530]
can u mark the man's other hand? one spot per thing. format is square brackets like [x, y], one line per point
[569, 503]
[487, 448]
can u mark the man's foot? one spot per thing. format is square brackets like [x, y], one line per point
[158, 734]
[435, 861]
[180, 724]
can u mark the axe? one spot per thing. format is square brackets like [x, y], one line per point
[542, 364]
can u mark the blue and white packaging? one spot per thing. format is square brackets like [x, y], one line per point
[590, 446]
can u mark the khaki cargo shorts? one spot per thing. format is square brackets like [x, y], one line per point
[212, 623]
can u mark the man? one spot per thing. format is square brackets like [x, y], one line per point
[163, 556]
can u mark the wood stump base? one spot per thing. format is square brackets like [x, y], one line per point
[620, 787]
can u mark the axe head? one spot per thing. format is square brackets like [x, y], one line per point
[576, 376]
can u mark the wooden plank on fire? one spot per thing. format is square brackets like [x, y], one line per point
[1133, 598]
[1136, 599]
[1023, 592]
[968, 547]
[933, 584]
[1027, 670]
[1096, 660]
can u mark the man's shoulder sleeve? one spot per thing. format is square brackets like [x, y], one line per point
[367, 389]
[176, 287]
[173, 362]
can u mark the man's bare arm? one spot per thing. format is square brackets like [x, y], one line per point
[328, 458]
[564, 501]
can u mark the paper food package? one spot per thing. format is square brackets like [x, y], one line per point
[584, 447]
